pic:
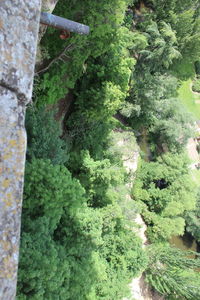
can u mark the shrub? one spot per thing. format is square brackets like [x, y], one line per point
[44, 137]
[68, 250]
[167, 191]
[172, 273]
[196, 86]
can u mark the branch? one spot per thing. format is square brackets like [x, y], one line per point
[58, 57]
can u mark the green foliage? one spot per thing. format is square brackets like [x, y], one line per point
[168, 191]
[155, 107]
[172, 125]
[122, 252]
[171, 29]
[44, 267]
[99, 93]
[193, 220]
[99, 179]
[44, 137]
[152, 104]
[104, 20]
[48, 189]
[69, 250]
[162, 46]
[172, 273]
[183, 18]
[197, 67]
[192, 44]
[76, 236]
[90, 135]
[183, 69]
[146, 93]
[106, 83]
[184, 26]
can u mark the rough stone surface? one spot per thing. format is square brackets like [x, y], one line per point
[48, 5]
[19, 23]
[12, 151]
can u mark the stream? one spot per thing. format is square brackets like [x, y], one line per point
[185, 242]
[144, 147]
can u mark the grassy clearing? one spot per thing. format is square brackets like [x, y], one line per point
[186, 73]
[188, 98]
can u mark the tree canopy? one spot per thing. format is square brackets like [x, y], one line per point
[167, 190]
[78, 240]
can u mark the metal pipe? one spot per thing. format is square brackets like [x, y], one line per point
[62, 23]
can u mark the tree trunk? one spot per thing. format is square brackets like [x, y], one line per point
[19, 25]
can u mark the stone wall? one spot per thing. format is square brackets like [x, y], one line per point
[19, 24]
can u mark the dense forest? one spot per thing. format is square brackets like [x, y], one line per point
[77, 236]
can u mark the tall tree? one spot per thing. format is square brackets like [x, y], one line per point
[172, 273]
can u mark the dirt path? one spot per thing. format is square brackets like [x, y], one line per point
[140, 290]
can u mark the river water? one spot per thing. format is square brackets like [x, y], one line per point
[185, 242]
